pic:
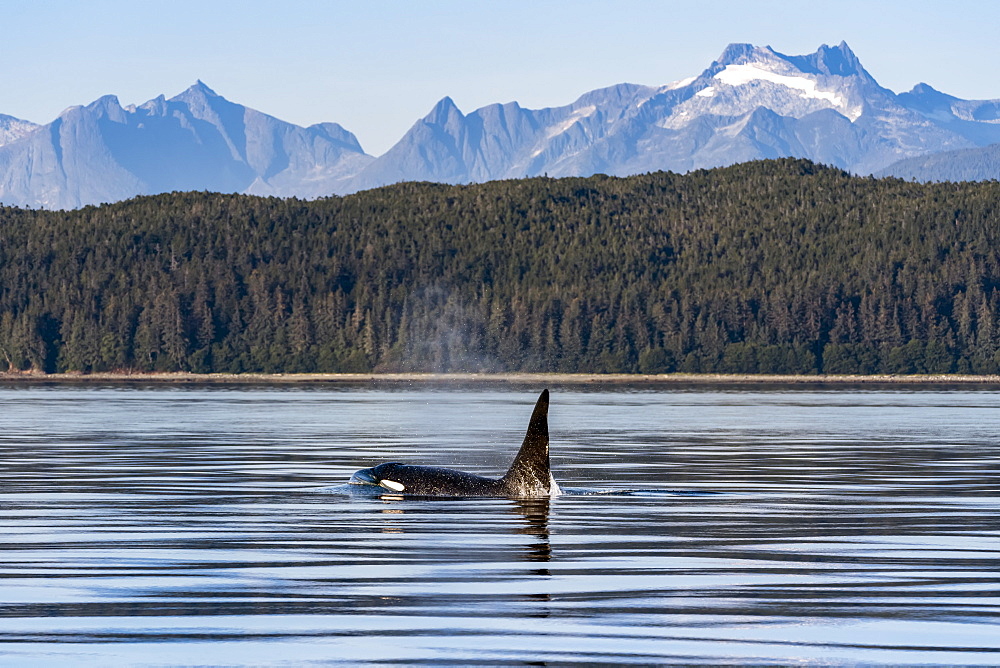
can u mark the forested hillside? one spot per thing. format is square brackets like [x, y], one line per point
[777, 266]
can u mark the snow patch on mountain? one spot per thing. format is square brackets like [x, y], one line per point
[565, 125]
[680, 83]
[738, 75]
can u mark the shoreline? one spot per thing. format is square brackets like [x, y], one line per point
[493, 378]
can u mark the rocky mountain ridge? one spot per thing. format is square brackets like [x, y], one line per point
[751, 103]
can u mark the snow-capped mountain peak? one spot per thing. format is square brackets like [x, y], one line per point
[746, 77]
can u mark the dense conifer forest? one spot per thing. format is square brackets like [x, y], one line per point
[768, 267]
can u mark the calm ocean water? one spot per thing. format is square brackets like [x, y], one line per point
[200, 526]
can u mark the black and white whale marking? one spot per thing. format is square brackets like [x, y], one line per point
[528, 476]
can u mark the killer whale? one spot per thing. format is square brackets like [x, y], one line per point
[528, 476]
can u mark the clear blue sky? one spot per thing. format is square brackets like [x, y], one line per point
[376, 66]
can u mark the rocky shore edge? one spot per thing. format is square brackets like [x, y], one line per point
[125, 377]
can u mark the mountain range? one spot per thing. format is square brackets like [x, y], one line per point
[751, 103]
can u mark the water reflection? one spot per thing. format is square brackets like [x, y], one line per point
[533, 513]
[536, 516]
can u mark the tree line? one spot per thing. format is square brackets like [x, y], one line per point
[768, 267]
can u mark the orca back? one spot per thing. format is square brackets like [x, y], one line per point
[528, 476]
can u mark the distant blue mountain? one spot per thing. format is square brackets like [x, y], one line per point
[967, 164]
[197, 140]
[751, 103]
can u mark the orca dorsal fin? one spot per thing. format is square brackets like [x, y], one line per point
[529, 474]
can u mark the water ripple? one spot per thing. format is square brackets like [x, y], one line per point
[197, 527]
